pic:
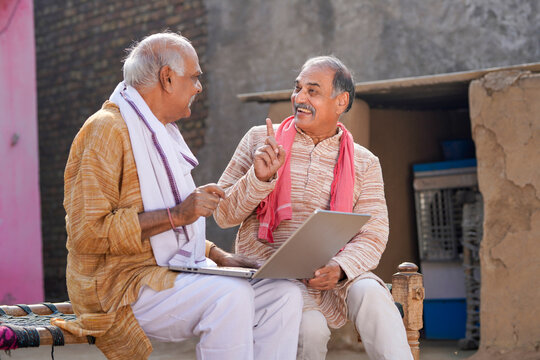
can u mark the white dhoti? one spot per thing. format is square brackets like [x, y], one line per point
[376, 317]
[234, 318]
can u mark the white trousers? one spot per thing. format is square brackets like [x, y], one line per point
[377, 319]
[234, 318]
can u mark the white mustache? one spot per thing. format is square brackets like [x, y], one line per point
[304, 106]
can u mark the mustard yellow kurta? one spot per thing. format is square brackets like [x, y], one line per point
[107, 262]
[312, 168]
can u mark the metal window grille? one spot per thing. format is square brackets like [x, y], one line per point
[439, 215]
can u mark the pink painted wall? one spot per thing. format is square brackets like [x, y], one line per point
[21, 270]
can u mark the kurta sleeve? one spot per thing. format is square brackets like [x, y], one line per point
[364, 251]
[95, 223]
[243, 190]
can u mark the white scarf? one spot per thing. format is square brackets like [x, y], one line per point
[169, 247]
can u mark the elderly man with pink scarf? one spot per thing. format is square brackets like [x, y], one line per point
[274, 181]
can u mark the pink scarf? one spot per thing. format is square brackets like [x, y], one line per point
[277, 205]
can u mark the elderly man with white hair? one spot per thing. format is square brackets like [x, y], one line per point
[132, 208]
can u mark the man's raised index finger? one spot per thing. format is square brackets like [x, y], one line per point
[269, 128]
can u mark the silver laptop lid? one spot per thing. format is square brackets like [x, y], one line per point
[312, 245]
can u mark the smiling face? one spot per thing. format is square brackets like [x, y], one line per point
[316, 111]
[176, 92]
[185, 87]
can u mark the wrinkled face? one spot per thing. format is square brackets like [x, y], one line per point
[315, 110]
[186, 87]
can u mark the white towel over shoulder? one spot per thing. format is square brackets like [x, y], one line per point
[155, 186]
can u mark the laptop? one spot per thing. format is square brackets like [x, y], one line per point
[309, 248]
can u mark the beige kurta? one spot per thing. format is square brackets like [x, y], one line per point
[107, 262]
[312, 169]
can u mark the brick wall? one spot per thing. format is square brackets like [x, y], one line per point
[79, 47]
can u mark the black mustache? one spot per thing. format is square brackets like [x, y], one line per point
[304, 106]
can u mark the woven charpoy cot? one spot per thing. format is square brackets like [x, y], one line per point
[29, 325]
[24, 326]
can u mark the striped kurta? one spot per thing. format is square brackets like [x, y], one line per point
[312, 168]
[108, 262]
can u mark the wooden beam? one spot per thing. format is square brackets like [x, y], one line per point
[429, 91]
[38, 309]
[45, 337]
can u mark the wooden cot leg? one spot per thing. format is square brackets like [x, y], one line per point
[413, 339]
[408, 290]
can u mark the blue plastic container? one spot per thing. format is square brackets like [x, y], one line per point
[445, 318]
[458, 149]
[444, 165]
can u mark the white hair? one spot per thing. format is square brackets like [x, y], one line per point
[147, 57]
[343, 80]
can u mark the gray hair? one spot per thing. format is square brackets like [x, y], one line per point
[343, 80]
[147, 57]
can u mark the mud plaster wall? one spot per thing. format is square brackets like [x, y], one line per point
[505, 121]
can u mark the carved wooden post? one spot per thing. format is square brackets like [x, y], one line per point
[408, 290]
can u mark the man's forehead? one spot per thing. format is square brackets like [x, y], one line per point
[316, 75]
[197, 68]
[191, 62]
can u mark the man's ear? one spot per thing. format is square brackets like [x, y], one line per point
[342, 102]
[165, 78]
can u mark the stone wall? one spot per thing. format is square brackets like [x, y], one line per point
[79, 47]
[505, 122]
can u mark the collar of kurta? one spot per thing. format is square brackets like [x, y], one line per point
[276, 207]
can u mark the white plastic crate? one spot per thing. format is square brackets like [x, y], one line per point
[439, 198]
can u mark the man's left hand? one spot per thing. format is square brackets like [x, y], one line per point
[326, 278]
[223, 258]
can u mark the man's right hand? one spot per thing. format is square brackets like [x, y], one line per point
[201, 202]
[269, 157]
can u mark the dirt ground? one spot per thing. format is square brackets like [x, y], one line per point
[430, 350]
